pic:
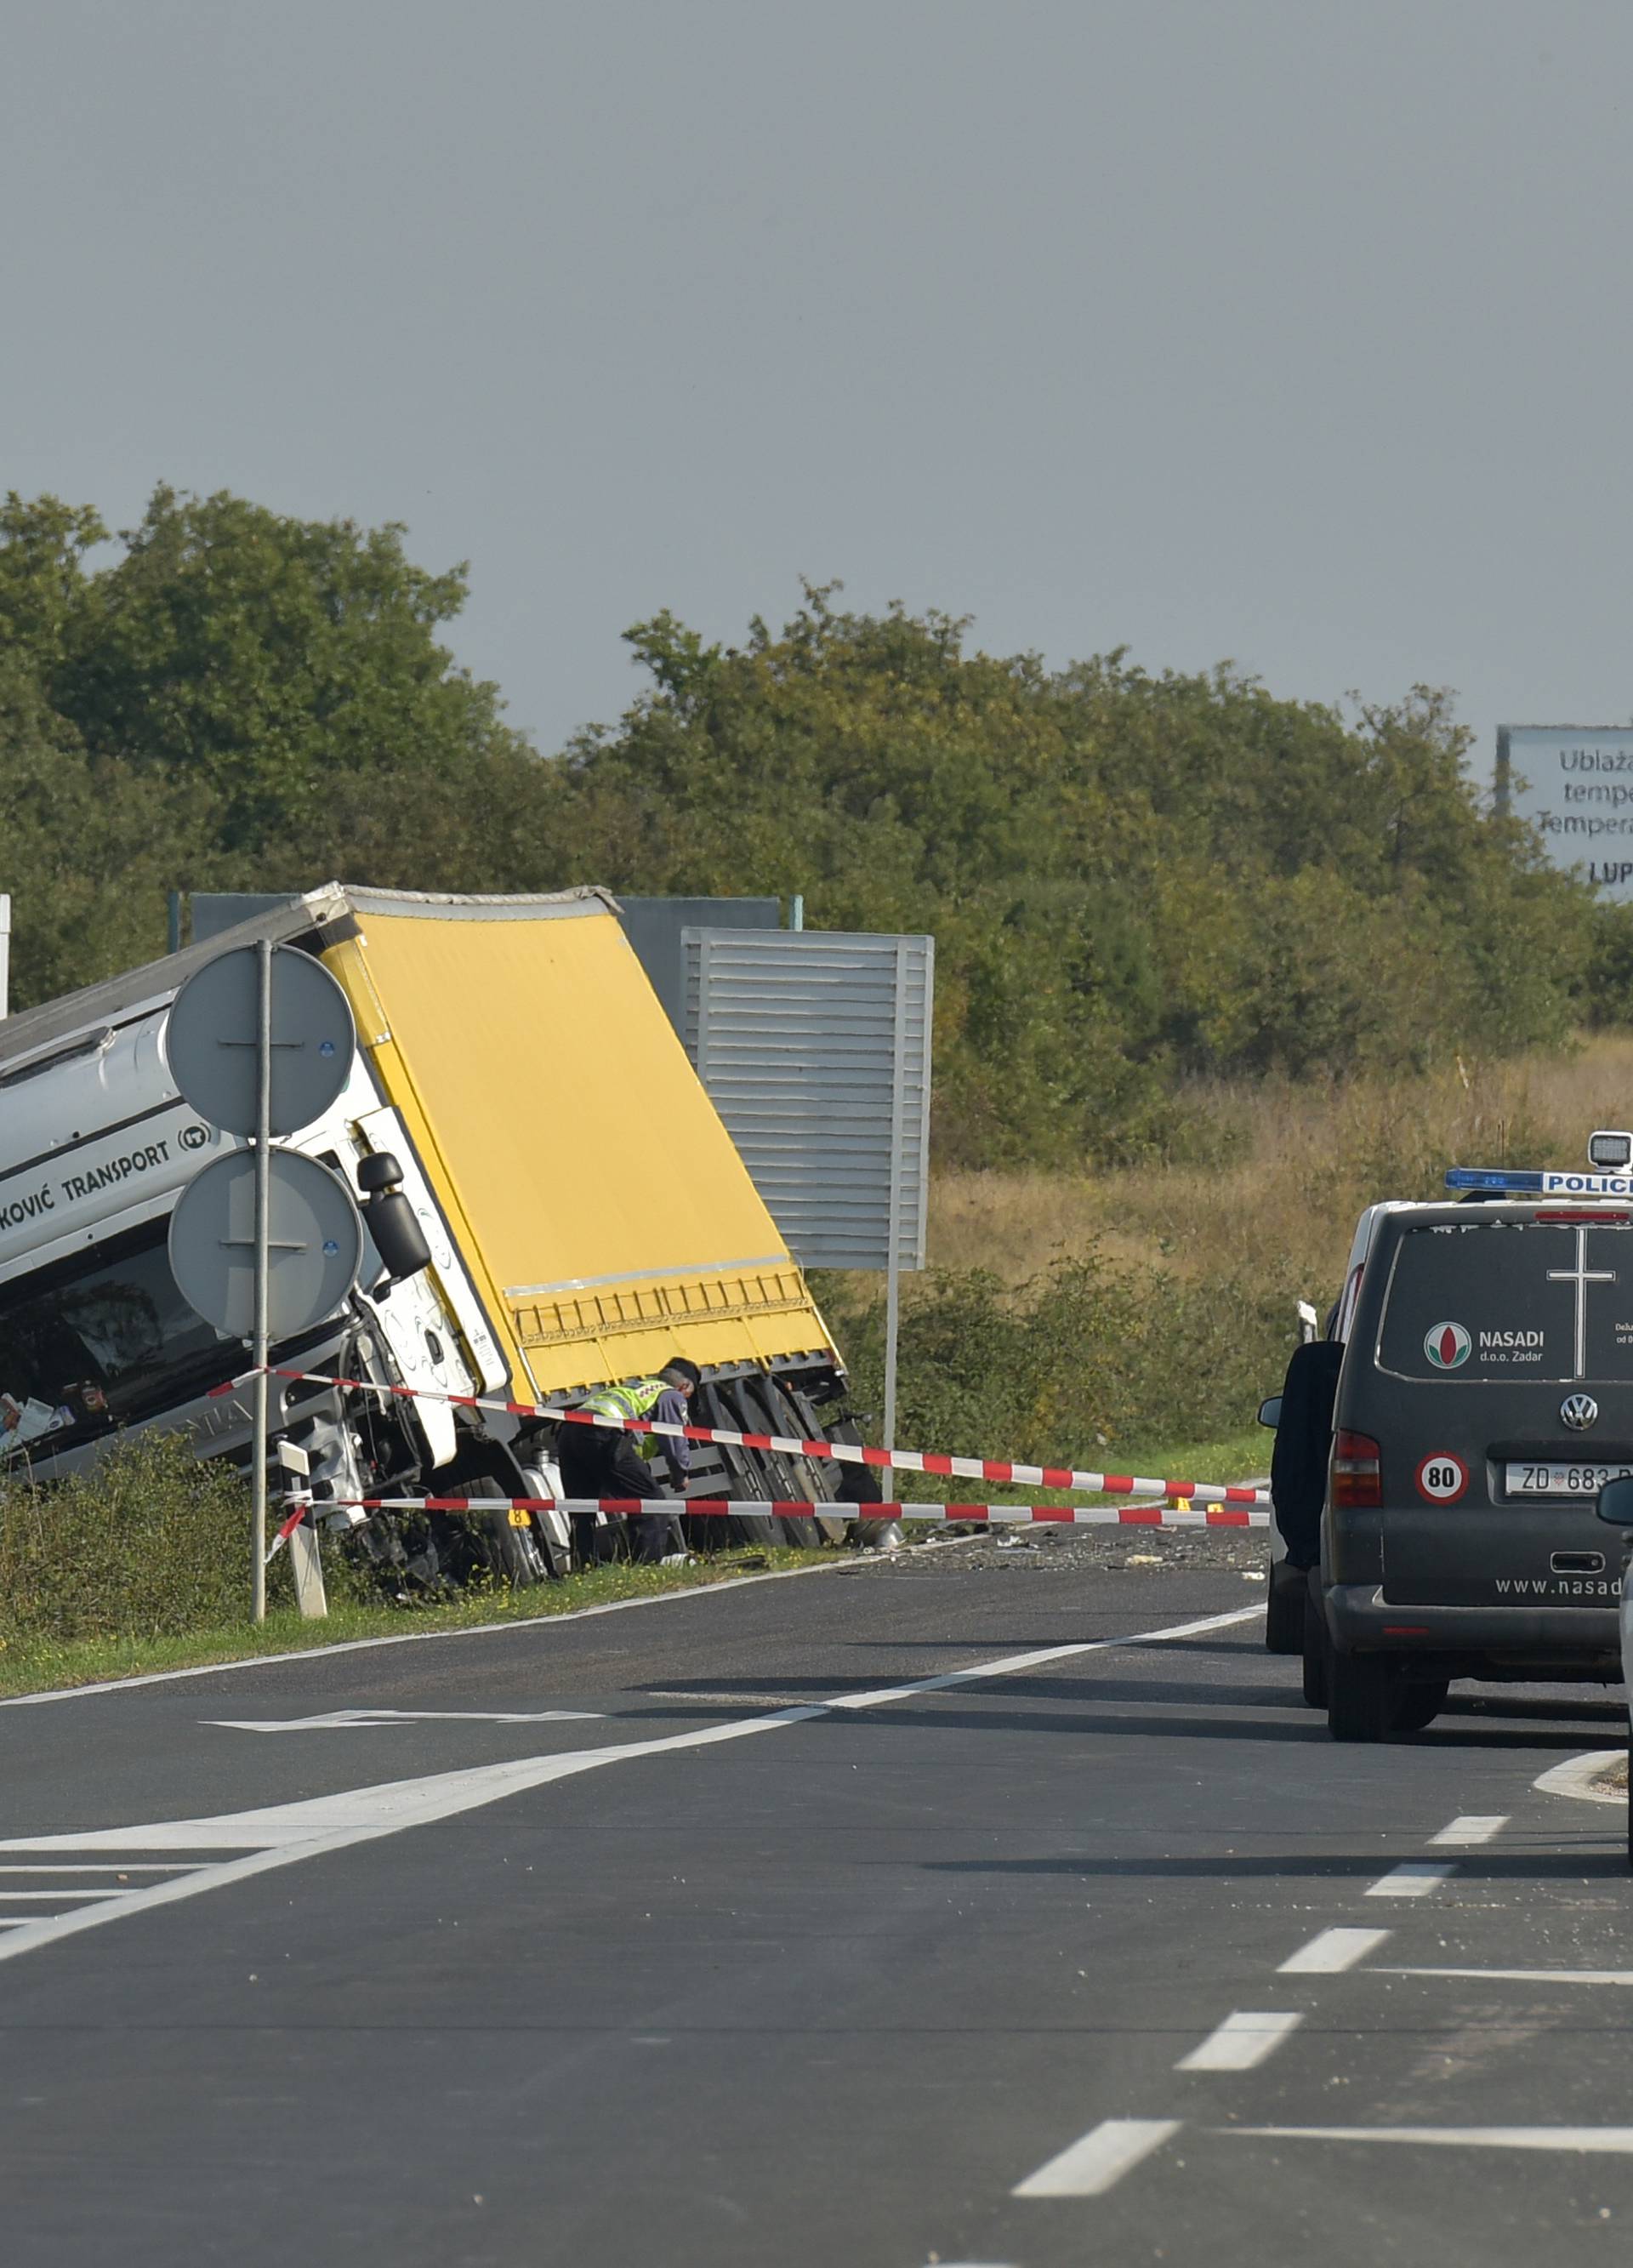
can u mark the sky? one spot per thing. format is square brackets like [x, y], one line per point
[1283, 332]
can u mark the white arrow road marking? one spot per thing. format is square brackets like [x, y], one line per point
[105, 1867]
[1614, 2141]
[1098, 2160]
[345, 1719]
[1240, 2041]
[1526, 1976]
[280, 1834]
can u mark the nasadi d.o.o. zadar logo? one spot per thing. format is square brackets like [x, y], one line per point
[1446, 1345]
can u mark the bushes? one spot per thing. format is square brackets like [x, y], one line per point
[145, 1543]
[1134, 880]
[1066, 1366]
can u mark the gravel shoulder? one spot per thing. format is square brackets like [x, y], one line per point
[1146, 1550]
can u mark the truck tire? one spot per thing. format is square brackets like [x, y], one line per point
[831, 1526]
[1283, 1609]
[1418, 1705]
[1315, 1649]
[512, 1554]
[509, 1555]
[760, 1410]
[1363, 1692]
[705, 1532]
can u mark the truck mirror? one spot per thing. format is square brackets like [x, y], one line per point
[1615, 1501]
[390, 1219]
[1270, 1412]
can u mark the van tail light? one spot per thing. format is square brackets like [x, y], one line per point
[1357, 1478]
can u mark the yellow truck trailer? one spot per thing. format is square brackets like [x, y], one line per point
[586, 1216]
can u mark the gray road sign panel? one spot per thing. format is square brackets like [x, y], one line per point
[315, 1243]
[814, 1046]
[211, 1040]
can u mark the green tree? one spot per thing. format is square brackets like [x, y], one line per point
[1131, 879]
[263, 659]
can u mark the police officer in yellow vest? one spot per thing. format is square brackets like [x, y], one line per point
[605, 1460]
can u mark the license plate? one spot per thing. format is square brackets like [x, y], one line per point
[1560, 1480]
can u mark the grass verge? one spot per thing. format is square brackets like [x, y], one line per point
[43, 1653]
[36, 1662]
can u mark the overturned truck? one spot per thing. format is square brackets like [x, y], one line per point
[586, 1214]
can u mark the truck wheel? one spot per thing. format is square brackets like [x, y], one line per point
[1417, 1705]
[1361, 1691]
[1283, 1611]
[758, 1402]
[1316, 1648]
[510, 1555]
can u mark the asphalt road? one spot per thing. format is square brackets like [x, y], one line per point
[781, 1953]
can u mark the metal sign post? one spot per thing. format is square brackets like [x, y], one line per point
[263, 1202]
[893, 1268]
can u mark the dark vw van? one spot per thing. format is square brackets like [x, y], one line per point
[1485, 1395]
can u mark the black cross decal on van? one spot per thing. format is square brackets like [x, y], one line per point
[1581, 1276]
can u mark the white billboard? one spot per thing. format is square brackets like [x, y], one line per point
[1574, 782]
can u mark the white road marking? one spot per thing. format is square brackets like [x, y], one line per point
[280, 1834]
[1332, 1950]
[1240, 2041]
[101, 1867]
[1473, 1826]
[345, 1719]
[1616, 2142]
[51, 1890]
[1414, 1878]
[1526, 1976]
[1097, 2161]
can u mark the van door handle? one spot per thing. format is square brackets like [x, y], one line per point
[1578, 1563]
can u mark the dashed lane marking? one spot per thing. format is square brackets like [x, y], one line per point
[1414, 1879]
[1332, 1950]
[1613, 2141]
[282, 1834]
[1241, 2041]
[1473, 1826]
[1098, 2160]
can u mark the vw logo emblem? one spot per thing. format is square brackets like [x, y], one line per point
[1579, 1411]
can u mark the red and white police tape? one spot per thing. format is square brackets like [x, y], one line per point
[844, 1453]
[799, 1508]
[521, 1509]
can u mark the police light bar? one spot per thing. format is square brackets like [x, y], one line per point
[1500, 1181]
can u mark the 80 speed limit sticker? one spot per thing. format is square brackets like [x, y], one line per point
[1442, 1477]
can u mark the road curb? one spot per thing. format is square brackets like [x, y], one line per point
[1578, 1776]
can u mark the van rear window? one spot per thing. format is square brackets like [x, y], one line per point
[1510, 1299]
